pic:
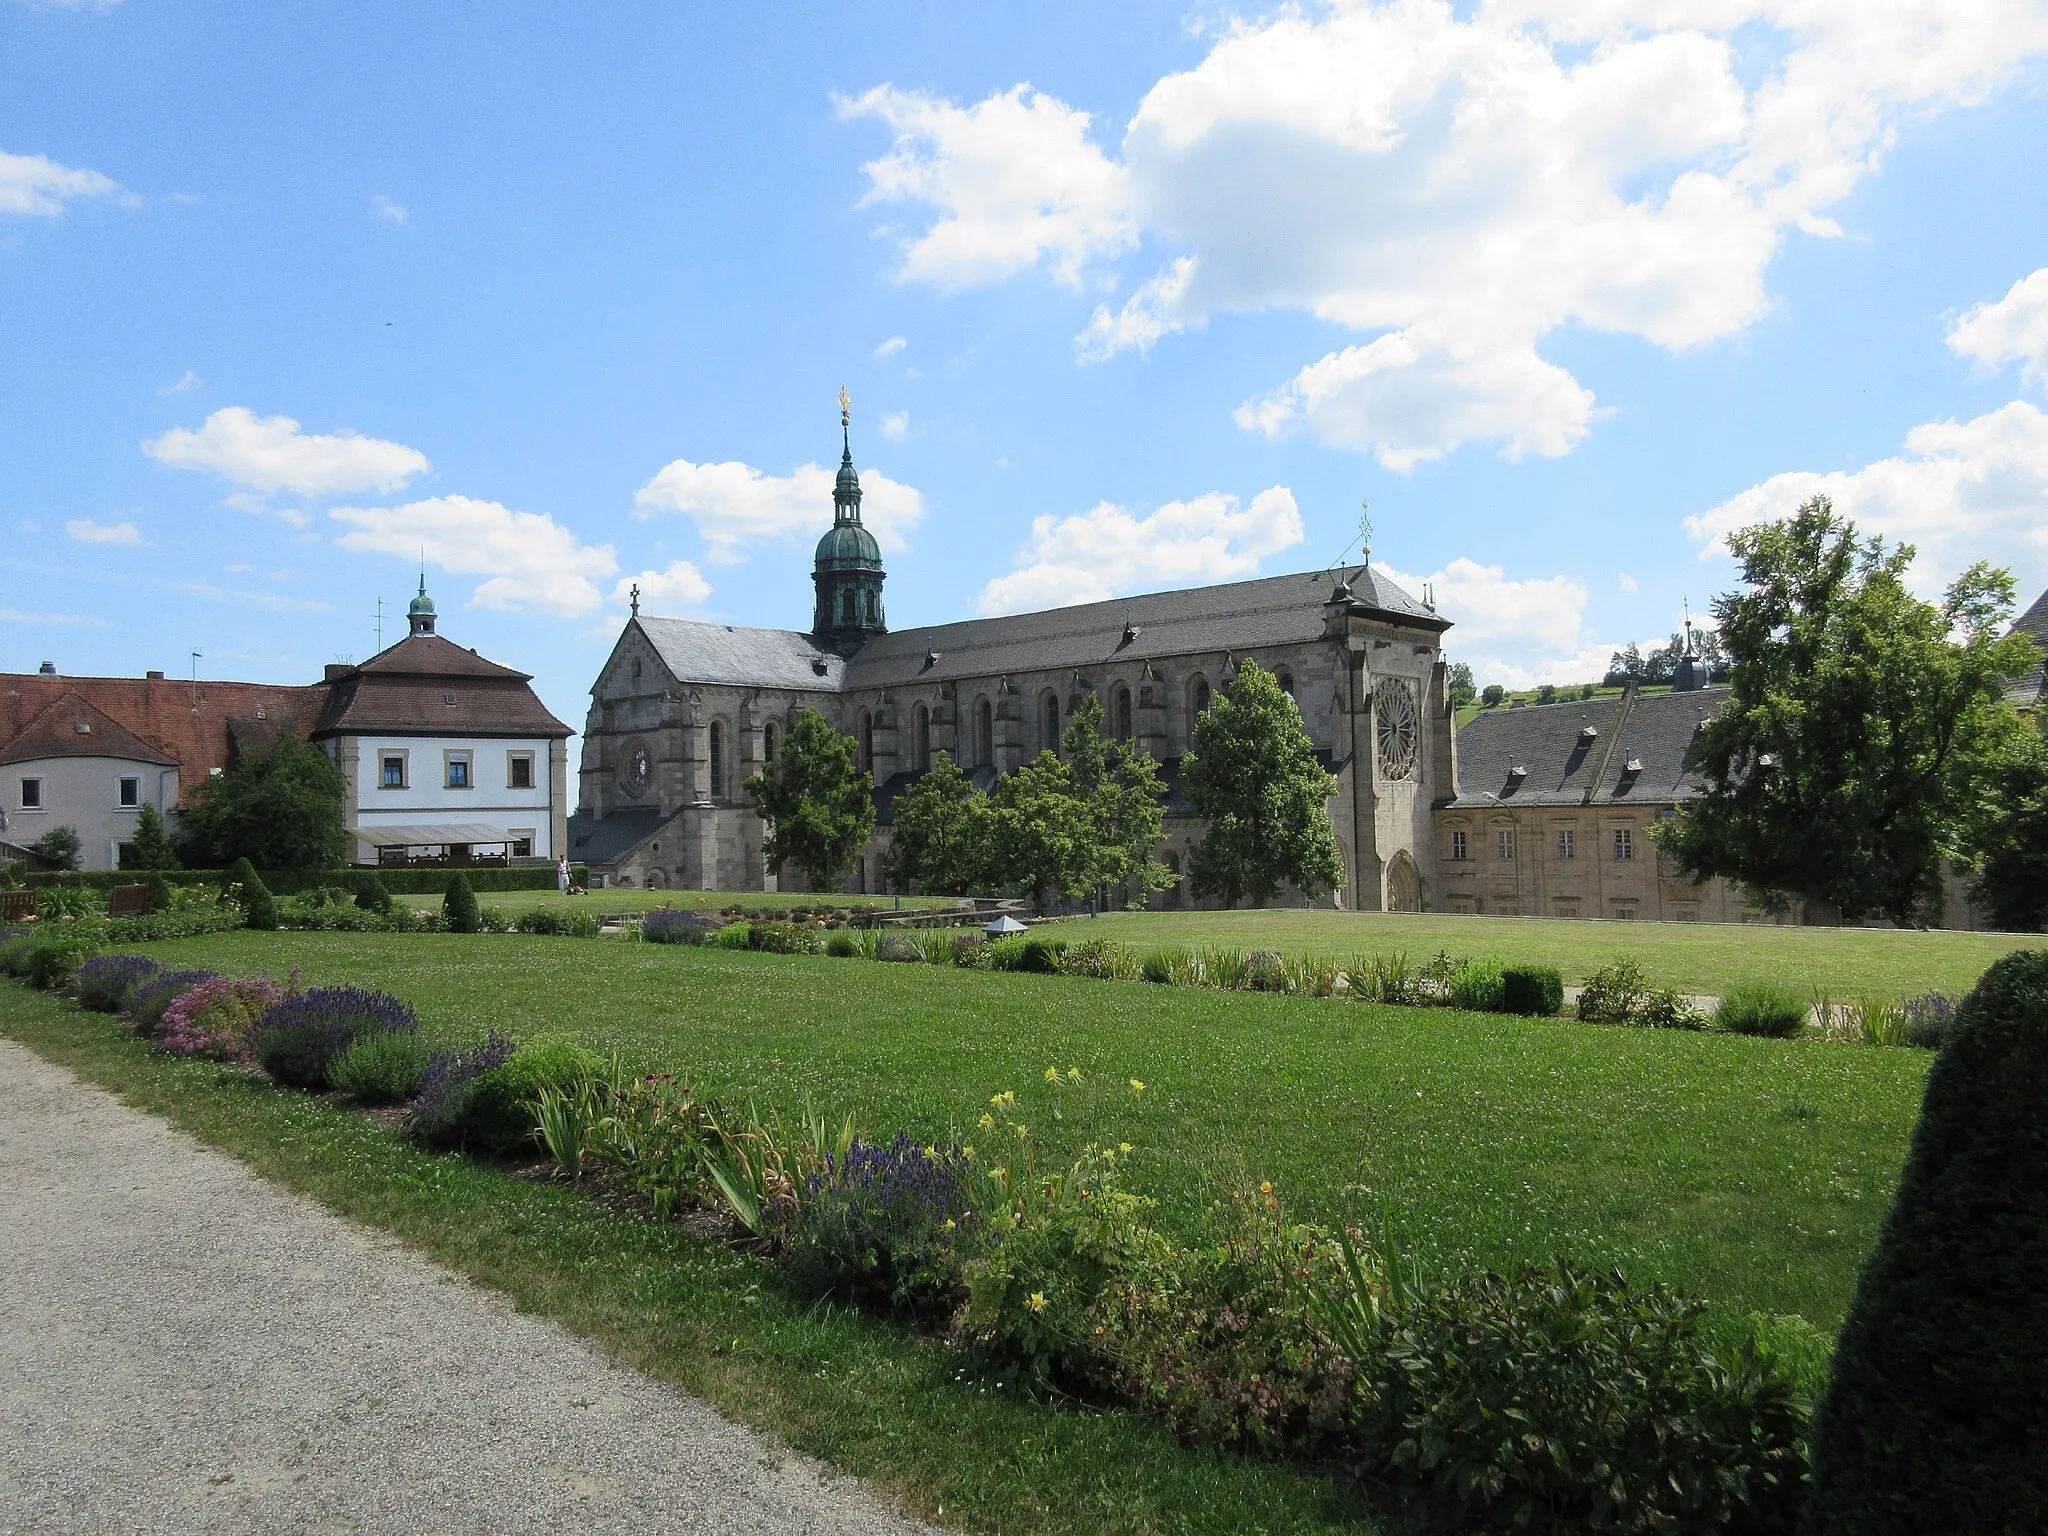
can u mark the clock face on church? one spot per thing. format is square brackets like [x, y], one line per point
[639, 770]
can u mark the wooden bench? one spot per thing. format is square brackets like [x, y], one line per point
[15, 906]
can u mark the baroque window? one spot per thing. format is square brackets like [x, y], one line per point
[1458, 846]
[1397, 727]
[1624, 843]
[1565, 839]
[1504, 844]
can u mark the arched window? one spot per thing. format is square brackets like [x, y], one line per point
[984, 734]
[1171, 895]
[1285, 679]
[717, 761]
[1198, 703]
[768, 742]
[1050, 714]
[874, 608]
[921, 739]
[847, 612]
[1120, 712]
[867, 741]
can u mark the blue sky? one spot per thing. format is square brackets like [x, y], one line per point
[1126, 296]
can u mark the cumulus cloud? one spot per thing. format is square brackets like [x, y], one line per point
[890, 347]
[185, 385]
[40, 187]
[1453, 184]
[270, 453]
[682, 585]
[1014, 179]
[894, 425]
[531, 561]
[734, 504]
[1961, 492]
[1108, 551]
[86, 531]
[2013, 329]
[390, 208]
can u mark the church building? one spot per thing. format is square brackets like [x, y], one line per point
[684, 712]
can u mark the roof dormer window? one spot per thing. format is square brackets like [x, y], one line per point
[82, 727]
[448, 699]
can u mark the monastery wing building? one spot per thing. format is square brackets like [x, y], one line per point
[685, 712]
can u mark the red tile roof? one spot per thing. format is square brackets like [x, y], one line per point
[428, 686]
[72, 727]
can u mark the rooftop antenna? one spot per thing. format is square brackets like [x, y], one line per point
[380, 624]
[196, 656]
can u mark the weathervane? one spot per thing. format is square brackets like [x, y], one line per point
[636, 599]
[1365, 531]
[845, 407]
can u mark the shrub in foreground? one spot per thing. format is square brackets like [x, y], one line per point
[384, 1068]
[1621, 994]
[880, 1228]
[902, 948]
[447, 1085]
[1101, 960]
[787, 939]
[246, 889]
[843, 946]
[1758, 1008]
[496, 1114]
[1481, 986]
[1936, 1418]
[1536, 991]
[1929, 1019]
[215, 1019]
[145, 1004]
[54, 958]
[1547, 1399]
[15, 943]
[103, 984]
[371, 896]
[459, 911]
[298, 1041]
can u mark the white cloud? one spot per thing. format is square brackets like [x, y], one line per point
[2013, 329]
[185, 385]
[1518, 632]
[1452, 184]
[390, 208]
[1014, 178]
[18, 616]
[682, 585]
[1628, 582]
[734, 504]
[86, 531]
[890, 347]
[1961, 492]
[36, 185]
[270, 453]
[1107, 550]
[894, 425]
[532, 561]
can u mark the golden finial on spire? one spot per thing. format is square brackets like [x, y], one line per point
[845, 407]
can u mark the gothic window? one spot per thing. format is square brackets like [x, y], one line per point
[1397, 727]
[984, 734]
[717, 761]
[867, 742]
[921, 739]
[768, 741]
[1198, 703]
[1120, 712]
[1285, 679]
[1050, 712]
[639, 770]
[846, 608]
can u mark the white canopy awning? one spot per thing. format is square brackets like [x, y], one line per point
[429, 837]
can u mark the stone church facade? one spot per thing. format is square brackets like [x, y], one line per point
[685, 712]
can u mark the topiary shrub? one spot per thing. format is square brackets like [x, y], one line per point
[1479, 986]
[1547, 1399]
[158, 890]
[903, 948]
[103, 984]
[245, 887]
[665, 925]
[371, 895]
[1536, 991]
[1758, 1008]
[497, 1113]
[146, 1003]
[384, 1068]
[1936, 1418]
[459, 912]
[298, 1041]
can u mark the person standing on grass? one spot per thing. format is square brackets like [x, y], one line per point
[562, 875]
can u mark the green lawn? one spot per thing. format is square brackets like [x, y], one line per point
[1753, 1173]
[688, 901]
[1705, 958]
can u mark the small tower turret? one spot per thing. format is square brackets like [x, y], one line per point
[847, 573]
[419, 613]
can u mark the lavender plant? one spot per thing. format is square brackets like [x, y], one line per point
[1928, 1020]
[665, 925]
[145, 1005]
[448, 1084]
[298, 1041]
[882, 1227]
[102, 985]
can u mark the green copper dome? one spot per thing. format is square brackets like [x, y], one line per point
[422, 604]
[849, 546]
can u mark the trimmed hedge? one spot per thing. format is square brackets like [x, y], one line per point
[1536, 991]
[281, 882]
[1936, 1418]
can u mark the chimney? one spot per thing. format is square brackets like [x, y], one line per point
[47, 669]
[336, 670]
[152, 677]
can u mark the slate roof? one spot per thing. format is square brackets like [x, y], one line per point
[429, 686]
[599, 840]
[73, 727]
[761, 658]
[2033, 688]
[1567, 767]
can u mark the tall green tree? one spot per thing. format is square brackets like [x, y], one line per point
[1463, 688]
[1838, 771]
[1039, 839]
[818, 801]
[150, 848]
[2005, 835]
[939, 840]
[1254, 777]
[280, 808]
[1122, 802]
[58, 848]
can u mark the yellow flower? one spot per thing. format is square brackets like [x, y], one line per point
[1052, 1074]
[1023, 1131]
[1123, 1146]
[1136, 1086]
[968, 1153]
[1035, 1301]
[988, 1122]
[1073, 1074]
[947, 1225]
[932, 1152]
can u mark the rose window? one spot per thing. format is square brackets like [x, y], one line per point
[1397, 726]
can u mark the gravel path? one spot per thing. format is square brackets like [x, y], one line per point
[186, 1348]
